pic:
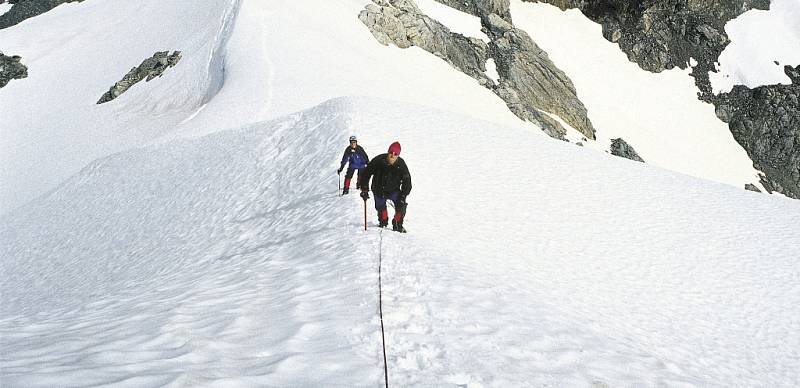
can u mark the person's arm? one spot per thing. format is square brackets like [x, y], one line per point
[405, 185]
[363, 152]
[344, 161]
[366, 173]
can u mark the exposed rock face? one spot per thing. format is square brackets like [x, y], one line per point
[11, 68]
[25, 9]
[151, 67]
[766, 122]
[530, 83]
[622, 149]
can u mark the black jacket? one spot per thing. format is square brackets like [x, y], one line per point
[387, 178]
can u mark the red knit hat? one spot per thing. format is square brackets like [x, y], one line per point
[394, 148]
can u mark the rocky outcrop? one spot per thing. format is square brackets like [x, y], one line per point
[624, 150]
[11, 68]
[530, 83]
[766, 122]
[151, 68]
[26, 9]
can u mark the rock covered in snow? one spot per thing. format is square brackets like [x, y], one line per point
[150, 68]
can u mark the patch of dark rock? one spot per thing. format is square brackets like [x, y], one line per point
[150, 68]
[11, 67]
[793, 73]
[765, 121]
[751, 187]
[624, 150]
[26, 9]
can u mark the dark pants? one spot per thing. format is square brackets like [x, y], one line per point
[349, 176]
[399, 208]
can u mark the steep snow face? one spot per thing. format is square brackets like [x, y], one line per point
[264, 66]
[74, 53]
[658, 114]
[230, 259]
[759, 39]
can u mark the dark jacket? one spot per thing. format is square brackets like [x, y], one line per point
[387, 178]
[357, 157]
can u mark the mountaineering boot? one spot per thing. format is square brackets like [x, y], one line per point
[383, 223]
[397, 226]
[345, 191]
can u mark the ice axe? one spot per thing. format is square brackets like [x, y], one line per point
[365, 213]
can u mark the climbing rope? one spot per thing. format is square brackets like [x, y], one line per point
[380, 309]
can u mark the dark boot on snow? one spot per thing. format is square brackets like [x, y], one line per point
[397, 226]
[345, 191]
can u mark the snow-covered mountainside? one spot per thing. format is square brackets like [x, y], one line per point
[186, 231]
[231, 259]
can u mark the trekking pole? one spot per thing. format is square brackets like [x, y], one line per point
[339, 179]
[365, 214]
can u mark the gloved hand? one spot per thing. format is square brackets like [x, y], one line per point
[365, 194]
[401, 200]
[339, 171]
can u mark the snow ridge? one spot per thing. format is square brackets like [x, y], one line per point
[230, 259]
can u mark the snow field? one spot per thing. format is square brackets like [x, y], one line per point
[176, 266]
[230, 260]
[758, 40]
[658, 114]
[640, 265]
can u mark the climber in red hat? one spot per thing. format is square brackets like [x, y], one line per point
[391, 181]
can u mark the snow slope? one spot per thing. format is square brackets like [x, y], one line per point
[758, 40]
[52, 126]
[229, 260]
[244, 61]
[658, 114]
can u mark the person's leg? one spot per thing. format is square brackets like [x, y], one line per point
[347, 179]
[383, 214]
[358, 177]
[399, 212]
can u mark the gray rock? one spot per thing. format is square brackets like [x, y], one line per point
[624, 150]
[793, 73]
[11, 68]
[751, 187]
[26, 9]
[530, 83]
[766, 122]
[150, 68]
